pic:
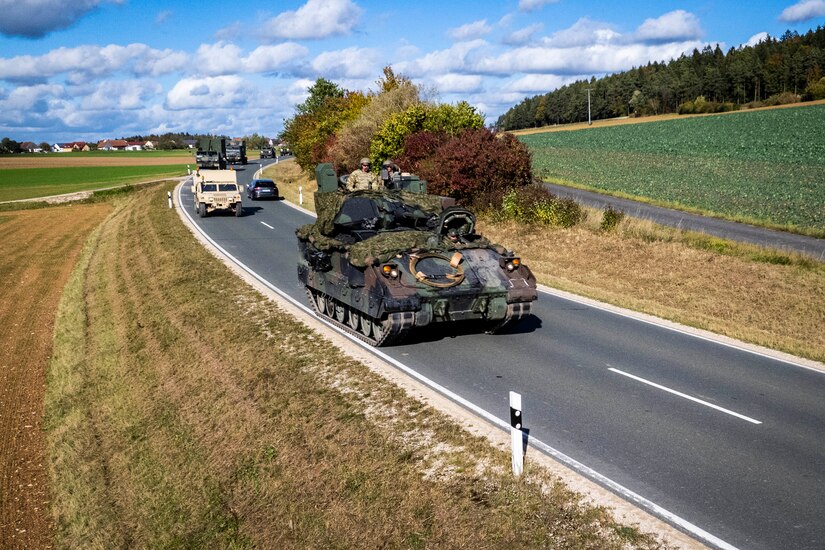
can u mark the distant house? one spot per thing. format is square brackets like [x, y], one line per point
[112, 145]
[149, 144]
[135, 145]
[190, 143]
[63, 147]
[30, 147]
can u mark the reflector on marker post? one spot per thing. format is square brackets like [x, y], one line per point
[516, 423]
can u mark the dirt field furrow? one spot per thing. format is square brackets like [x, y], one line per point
[38, 252]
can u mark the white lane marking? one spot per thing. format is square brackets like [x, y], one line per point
[693, 333]
[686, 396]
[266, 224]
[583, 469]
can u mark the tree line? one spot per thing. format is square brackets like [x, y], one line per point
[783, 70]
[166, 142]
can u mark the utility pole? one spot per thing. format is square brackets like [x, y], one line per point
[588, 108]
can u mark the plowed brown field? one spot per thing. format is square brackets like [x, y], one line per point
[38, 250]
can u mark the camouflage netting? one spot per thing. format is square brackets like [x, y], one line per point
[384, 246]
[326, 207]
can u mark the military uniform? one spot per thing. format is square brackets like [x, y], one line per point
[360, 180]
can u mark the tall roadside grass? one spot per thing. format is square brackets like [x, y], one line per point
[186, 410]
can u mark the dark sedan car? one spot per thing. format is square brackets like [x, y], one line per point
[262, 189]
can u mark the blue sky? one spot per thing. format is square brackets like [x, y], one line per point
[96, 69]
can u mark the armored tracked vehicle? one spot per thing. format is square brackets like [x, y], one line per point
[378, 263]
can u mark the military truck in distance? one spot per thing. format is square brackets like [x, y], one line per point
[378, 263]
[267, 152]
[211, 153]
[236, 151]
[216, 190]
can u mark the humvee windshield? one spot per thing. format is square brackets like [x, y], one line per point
[227, 187]
[210, 187]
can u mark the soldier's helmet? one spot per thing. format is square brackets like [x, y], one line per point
[364, 160]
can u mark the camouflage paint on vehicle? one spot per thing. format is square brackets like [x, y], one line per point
[377, 263]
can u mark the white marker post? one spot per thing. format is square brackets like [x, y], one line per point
[300, 195]
[516, 433]
[169, 194]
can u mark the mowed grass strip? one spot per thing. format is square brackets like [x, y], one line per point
[764, 167]
[185, 410]
[27, 183]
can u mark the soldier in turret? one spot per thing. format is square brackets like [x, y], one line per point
[363, 178]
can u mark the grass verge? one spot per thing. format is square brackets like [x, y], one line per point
[183, 409]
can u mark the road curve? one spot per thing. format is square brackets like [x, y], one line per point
[722, 442]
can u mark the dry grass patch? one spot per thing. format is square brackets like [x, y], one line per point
[186, 410]
[745, 293]
[292, 182]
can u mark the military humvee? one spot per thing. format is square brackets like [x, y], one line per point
[377, 263]
[216, 190]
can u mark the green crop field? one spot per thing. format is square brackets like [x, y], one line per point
[761, 166]
[26, 183]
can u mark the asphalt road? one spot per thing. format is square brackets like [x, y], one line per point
[725, 229]
[721, 442]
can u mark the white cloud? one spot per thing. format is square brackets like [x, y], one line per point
[120, 95]
[538, 83]
[458, 83]
[25, 101]
[37, 18]
[85, 62]
[230, 32]
[531, 5]
[670, 27]
[163, 16]
[315, 20]
[522, 36]
[348, 63]
[476, 29]
[209, 93]
[803, 11]
[594, 59]
[756, 39]
[218, 59]
[583, 32]
[453, 59]
[265, 59]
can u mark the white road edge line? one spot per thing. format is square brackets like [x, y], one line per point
[266, 224]
[624, 492]
[694, 333]
[684, 395]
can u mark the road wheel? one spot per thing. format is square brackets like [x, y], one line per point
[238, 210]
[202, 210]
[353, 319]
